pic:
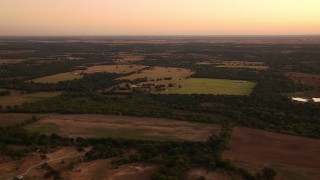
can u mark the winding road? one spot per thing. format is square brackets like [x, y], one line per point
[39, 164]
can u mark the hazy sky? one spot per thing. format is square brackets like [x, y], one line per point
[159, 17]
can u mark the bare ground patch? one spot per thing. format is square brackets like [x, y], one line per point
[210, 175]
[103, 169]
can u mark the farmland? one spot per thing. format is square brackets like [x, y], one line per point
[213, 86]
[7, 119]
[159, 108]
[123, 127]
[254, 149]
[11, 61]
[58, 77]
[18, 99]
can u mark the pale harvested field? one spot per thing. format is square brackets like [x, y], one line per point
[12, 52]
[120, 69]
[292, 157]
[86, 125]
[59, 77]
[11, 61]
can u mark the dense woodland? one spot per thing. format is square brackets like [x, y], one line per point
[268, 107]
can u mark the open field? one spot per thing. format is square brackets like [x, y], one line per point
[213, 86]
[59, 77]
[12, 52]
[292, 157]
[120, 69]
[125, 58]
[124, 127]
[18, 99]
[11, 61]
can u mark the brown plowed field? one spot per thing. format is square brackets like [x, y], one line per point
[292, 157]
[88, 125]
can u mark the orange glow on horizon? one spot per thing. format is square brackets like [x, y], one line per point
[146, 17]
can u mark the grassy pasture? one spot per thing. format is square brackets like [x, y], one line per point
[18, 99]
[213, 86]
[88, 125]
[58, 77]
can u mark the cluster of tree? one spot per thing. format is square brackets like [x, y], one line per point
[25, 142]
[51, 173]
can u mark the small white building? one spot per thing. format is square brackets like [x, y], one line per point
[299, 99]
[317, 100]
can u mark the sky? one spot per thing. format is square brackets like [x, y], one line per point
[159, 17]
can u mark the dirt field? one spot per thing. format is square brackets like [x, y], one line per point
[311, 80]
[292, 157]
[18, 99]
[124, 127]
[121, 69]
[103, 169]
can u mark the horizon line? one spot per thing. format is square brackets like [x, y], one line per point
[172, 35]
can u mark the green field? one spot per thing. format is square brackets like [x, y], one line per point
[213, 86]
[58, 77]
[19, 99]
